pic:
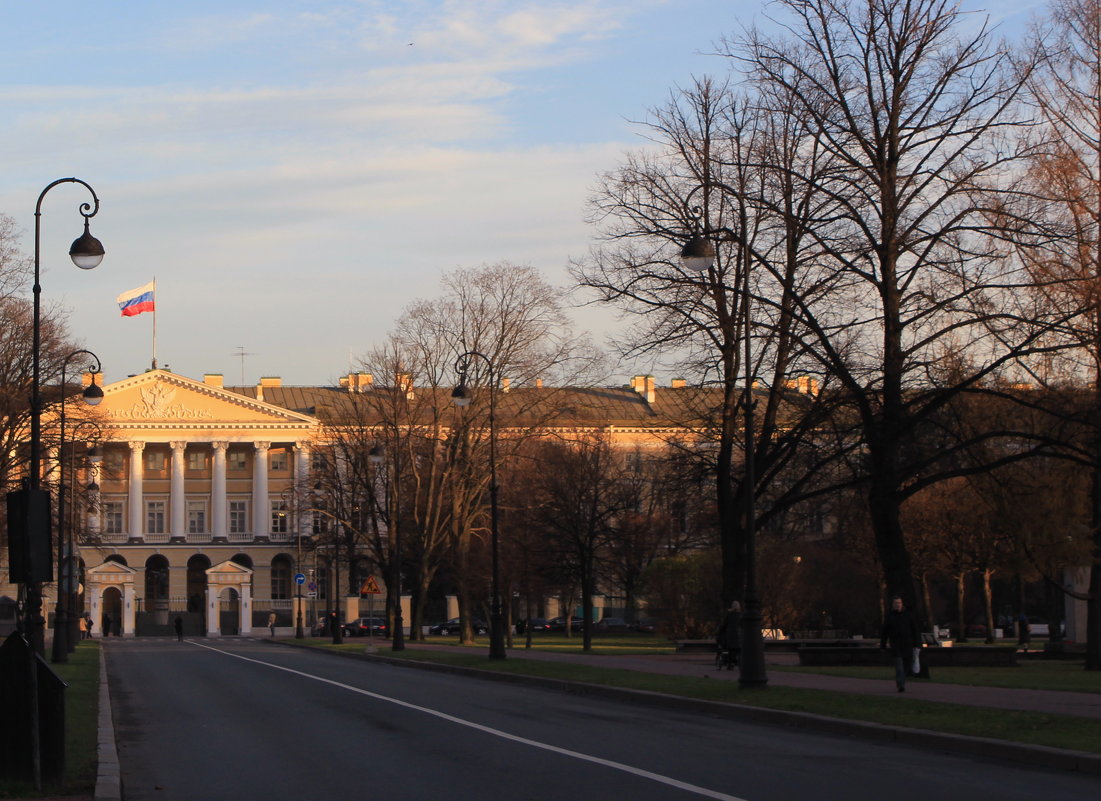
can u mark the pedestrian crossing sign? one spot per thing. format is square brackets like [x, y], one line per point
[369, 587]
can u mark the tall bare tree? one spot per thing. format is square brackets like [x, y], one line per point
[918, 113]
[1065, 175]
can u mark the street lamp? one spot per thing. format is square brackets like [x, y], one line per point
[462, 397]
[698, 255]
[32, 529]
[376, 456]
[92, 395]
[94, 457]
[299, 630]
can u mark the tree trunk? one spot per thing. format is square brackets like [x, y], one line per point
[988, 603]
[961, 612]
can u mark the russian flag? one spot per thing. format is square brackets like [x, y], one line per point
[138, 300]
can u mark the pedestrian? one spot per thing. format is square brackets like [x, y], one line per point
[271, 623]
[1024, 632]
[83, 627]
[91, 623]
[900, 630]
[729, 639]
[179, 628]
[106, 625]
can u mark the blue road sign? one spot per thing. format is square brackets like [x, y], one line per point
[299, 578]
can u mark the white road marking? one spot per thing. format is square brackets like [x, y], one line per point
[644, 774]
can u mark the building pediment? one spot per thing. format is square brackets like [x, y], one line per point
[161, 398]
[111, 572]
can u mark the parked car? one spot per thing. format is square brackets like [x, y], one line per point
[559, 624]
[537, 624]
[453, 626]
[362, 626]
[645, 624]
[611, 624]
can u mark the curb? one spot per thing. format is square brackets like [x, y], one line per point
[108, 771]
[1038, 756]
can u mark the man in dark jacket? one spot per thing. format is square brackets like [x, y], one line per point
[901, 631]
[730, 638]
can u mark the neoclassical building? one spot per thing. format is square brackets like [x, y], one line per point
[190, 510]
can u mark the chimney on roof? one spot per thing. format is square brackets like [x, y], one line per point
[357, 382]
[644, 386]
[271, 381]
[539, 383]
[678, 383]
[505, 382]
[404, 382]
[214, 380]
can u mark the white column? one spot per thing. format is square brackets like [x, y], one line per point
[92, 513]
[136, 523]
[261, 506]
[128, 611]
[246, 609]
[301, 483]
[213, 620]
[94, 593]
[177, 501]
[218, 509]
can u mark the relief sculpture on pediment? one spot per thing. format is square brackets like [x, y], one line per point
[157, 403]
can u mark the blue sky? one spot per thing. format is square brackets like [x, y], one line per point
[294, 173]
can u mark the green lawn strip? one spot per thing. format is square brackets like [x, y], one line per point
[81, 673]
[1065, 676]
[1057, 731]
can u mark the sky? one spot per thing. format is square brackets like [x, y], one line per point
[293, 173]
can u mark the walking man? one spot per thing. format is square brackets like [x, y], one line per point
[900, 630]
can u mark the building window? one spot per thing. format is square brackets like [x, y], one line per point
[318, 462]
[237, 460]
[280, 579]
[278, 461]
[279, 517]
[112, 517]
[154, 462]
[320, 523]
[238, 517]
[196, 517]
[196, 461]
[154, 517]
[113, 462]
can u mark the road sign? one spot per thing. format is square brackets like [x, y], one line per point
[311, 594]
[312, 587]
[299, 578]
[370, 587]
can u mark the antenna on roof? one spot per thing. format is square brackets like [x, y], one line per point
[242, 354]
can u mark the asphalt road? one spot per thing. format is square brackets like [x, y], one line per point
[244, 720]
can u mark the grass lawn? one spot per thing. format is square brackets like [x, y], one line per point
[1058, 731]
[1050, 674]
[81, 673]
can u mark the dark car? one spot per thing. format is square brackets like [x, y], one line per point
[537, 624]
[453, 626]
[559, 624]
[362, 626]
[646, 624]
[611, 624]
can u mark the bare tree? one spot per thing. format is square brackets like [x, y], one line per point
[917, 113]
[1065, 175]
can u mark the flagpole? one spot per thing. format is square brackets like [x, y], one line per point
[154, 322]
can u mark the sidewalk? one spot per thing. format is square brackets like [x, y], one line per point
[1054, 702]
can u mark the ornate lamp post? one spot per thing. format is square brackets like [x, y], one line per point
[94, 457]
[377, 456]
[461, 396]
[92, 394]
[299, 629]
[86, 253]
[698, 255]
